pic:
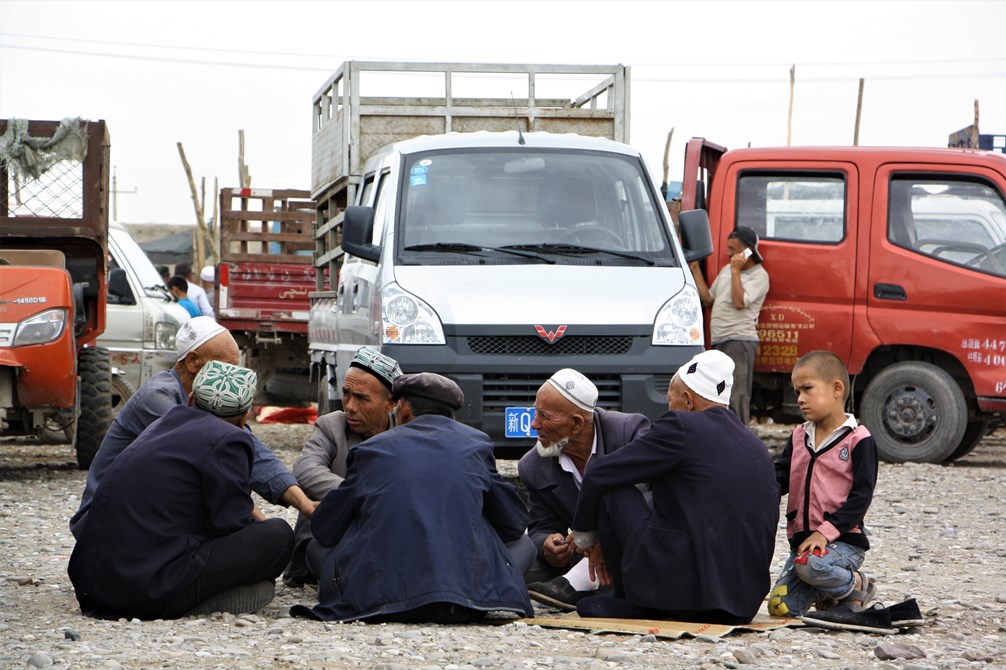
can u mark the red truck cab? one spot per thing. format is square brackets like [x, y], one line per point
[892, 258]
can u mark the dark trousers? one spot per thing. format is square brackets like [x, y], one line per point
[624, 515]
[742, 353]
[256, 553]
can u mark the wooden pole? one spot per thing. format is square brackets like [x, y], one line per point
[243, 175]
[789, 124]
[195, 200]
[215, 233]
[974, 129]
[859, 114]
[667, 157]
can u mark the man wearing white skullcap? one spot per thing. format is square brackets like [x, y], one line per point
[571, 431]
[701, 550]
[171, 529]
[199, 340]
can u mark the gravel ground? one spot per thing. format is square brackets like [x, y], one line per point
[937, 536]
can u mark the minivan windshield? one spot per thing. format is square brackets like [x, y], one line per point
[500, 206]
[134, 257]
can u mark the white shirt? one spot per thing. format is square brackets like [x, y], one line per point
[566, 463]
[810, 428]
[198, 295]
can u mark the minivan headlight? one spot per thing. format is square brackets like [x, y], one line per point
[43, 327]
[679, 320]
[164, 335]
[405, 319]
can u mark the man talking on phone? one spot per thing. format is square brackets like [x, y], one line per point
[736, 297]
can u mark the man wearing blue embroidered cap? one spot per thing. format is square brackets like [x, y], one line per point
[171, 529]
[198, 341]
[367, 409]
[702, 551]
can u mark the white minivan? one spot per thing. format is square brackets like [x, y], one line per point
[497, 258]
[141, 317]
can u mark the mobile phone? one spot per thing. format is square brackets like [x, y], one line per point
[747, 253]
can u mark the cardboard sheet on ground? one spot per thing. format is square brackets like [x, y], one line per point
[666, 629]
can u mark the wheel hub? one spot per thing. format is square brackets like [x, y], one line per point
[910, 413]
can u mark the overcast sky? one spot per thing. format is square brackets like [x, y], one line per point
[197, 72]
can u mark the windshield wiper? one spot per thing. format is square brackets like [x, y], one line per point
[574, 249]
[464, 248]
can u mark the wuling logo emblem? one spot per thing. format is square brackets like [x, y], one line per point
[549, 335]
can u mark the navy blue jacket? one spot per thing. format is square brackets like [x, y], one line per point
[552, 492]
[420, 518]
[181, 483]
[709, 541]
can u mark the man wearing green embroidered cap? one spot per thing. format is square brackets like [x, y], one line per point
[171, 530]
[367, 410]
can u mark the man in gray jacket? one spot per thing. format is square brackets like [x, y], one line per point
[367, 410]
[571, 433]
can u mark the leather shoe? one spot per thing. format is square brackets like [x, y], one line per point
[876, 619]
[558, 593]
[906, 614]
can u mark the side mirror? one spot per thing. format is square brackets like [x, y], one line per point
[119, 292]
[357, 231]
[696, 237]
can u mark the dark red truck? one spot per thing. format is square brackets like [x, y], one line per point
[262, 283]
[892, 258]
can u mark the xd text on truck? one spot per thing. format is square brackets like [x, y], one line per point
[892, 258]
[496, 240]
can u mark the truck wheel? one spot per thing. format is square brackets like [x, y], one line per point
[916, 412]
[95, 372]
[122, 391]
[973, 434]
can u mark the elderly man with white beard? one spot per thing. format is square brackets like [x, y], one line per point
[571, 432]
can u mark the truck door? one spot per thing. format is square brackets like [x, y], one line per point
[805, 214]
[937, 305]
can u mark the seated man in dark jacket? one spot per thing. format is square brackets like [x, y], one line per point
[170, 531]
[416, 531]
[703, 550]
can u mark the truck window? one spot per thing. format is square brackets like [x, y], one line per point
[576, 208]
[797, 207]
[962, 222]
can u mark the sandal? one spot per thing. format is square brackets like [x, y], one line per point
[864, 594]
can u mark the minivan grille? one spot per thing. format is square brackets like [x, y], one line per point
[532, 345]
[515, 390]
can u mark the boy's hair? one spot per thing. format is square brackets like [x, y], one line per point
[828, 367]
[179, 282]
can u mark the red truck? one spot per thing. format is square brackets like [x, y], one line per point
[265, 273]
[892, 258]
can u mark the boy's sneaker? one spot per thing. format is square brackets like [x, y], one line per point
[906, 614]
[876, 619]
[242, 599]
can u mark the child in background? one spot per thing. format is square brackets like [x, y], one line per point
[829, 468]
[180, 289]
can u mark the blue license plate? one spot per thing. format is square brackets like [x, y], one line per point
[518, 422]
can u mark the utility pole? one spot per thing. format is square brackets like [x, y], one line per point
[789, 124]
[859, 113]
[116, 192]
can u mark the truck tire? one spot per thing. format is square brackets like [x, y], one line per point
[916, 412]
[122, 391]
[95, 373]
[973, 435]
[289, 387]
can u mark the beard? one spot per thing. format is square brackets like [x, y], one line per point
[552, 450]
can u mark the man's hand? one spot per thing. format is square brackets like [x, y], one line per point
[257, 514]
[597, 568]
[816, 542]
[737, 262]
[557, 549]
[296, 497]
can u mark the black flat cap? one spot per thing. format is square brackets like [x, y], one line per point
[431, 386]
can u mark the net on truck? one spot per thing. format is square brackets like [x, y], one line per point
[44, 176]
